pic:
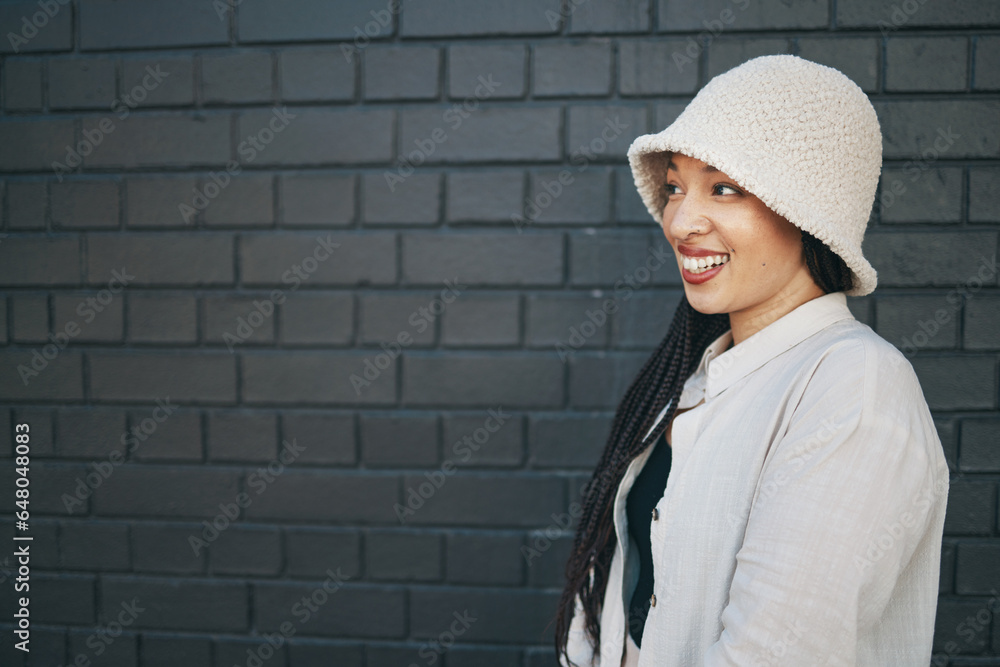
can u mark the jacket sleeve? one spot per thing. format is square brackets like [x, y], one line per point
[578, 645]
[850, 489]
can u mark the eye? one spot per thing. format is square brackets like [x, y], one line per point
[669, 188]
[725, 187]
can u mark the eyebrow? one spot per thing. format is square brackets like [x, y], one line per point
[708, 169]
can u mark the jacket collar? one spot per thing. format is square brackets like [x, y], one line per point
[727, 366]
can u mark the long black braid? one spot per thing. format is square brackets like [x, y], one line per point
[657, 385]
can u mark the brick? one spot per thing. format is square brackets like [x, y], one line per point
[926, 63]
[980, 445]
[913, 195]
[387, 656]
[982, 320]
[490, 559]
[567, 440]
[166, 491]
[945, 258]
[106, 24]
[403, 556]
[476, 440]
[81, 83]
[889, 15]
[50, 648]
[550, 319]
[45, 543]
[155, 201]
[642, 321]
[602, 132]
[162, 651]
[948, 433]
[26, 203]
[22, 84]
[202, 605]
[479, 379]
[947, 577]
[242, 436]
[971, 508]
[162, 259]
[158, 81]
[360, 259]
[52, 32]
[166, 548]
[317, 319]
[628, 261]
[97, 316]
[657, 67]
[59, 380]
[718, 15]
[479, 320]
[311, 20]
[89, 433]
[122, 651]
[328, 439]
[316, 199]
[485, 499]
[247, 201]
[725, 54]
[384, 316]
[572, 69]
[954, 629]
[227, 318]
[599, 382]
[319, 136]
[180, 375]
[957, 383]
[246, 550]
[176, 438]
[94, 545]
[861, 309]
[315, 75]
[858, 58]
[483, 259]
[547, 556]
[628, 203]
[305, 378]
[29, 314]
[667, 113]
[613, 17]
[85, 203]
[976, 568]
[401, 73]
[399, 441]
[33, 145]
[62, 599]
[483, 196]
[504, 616]
[325, 496]
[317, 654]
[493, 657]
[503, 63]
[414, 200]
[350, 611]
[310, 552]
[987, 77]
[162, 318]
[984, 188]
[237, 650]
[912, 322]
[938, 128]
[237, 77]
[62, 479]
[437, 18]
[165, 139]
[571, 198]
[499, 134]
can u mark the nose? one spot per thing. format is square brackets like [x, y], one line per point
[684, 217]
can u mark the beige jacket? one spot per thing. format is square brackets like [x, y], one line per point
[802, 519]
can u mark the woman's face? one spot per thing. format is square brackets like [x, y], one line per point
[735, 255]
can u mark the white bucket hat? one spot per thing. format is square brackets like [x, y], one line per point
[800, 136]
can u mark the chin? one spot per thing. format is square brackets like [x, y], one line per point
[704, 303]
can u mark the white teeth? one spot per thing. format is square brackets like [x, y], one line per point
[702, 264]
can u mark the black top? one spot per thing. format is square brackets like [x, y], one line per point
[646, 491]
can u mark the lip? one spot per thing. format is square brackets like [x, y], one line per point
[694, 251]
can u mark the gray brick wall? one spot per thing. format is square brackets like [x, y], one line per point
[319, 311]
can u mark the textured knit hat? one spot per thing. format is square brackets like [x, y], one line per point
[800, 136]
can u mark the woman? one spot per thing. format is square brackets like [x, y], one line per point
[773, 489]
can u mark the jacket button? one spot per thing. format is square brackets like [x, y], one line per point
[652, 599]
[656, 514]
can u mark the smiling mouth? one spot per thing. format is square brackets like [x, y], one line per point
[698, 265]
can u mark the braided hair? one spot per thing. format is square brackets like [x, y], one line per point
[657, 385]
